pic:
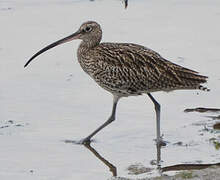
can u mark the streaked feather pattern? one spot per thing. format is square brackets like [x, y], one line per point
[130, 69]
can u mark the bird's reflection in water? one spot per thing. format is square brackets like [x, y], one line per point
[112, 168]
[158, 157]
[161, 170]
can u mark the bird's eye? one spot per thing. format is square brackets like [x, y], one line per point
[87, 29]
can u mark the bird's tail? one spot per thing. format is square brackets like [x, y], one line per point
[191, 78]
[203, 88]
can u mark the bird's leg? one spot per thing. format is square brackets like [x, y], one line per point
[87, 140]
[157, 109]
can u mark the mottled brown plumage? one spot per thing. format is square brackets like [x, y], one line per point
[127, 69]
[130, 69]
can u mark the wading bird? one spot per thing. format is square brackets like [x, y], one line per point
[127, 69]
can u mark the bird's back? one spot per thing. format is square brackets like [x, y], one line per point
[131, 69]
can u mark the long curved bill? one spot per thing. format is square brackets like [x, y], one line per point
[73, 36]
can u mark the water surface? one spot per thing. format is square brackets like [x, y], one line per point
[54, 100]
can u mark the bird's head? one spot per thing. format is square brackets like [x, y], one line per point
[90, 32]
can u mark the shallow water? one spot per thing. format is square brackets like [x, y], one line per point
[53, 100]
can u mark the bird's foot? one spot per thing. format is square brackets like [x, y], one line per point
[85, 141]
[160, 141]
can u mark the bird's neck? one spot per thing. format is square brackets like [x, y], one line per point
[90, 43]
[86, 45]
[84, 54]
